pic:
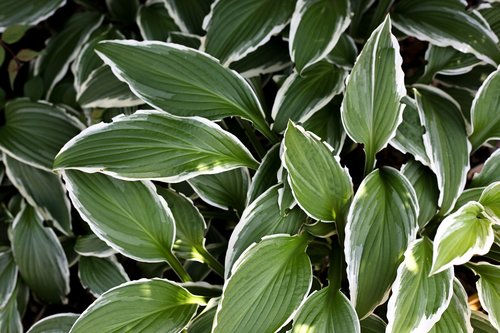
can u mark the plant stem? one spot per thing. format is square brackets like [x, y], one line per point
[213, 263]
[369, 162]
[177, 267]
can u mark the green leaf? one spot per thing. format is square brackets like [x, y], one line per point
[489, 173]
[27, 55]
[40, 257]
[266, 174]
[103, 90]
[382, 221]
[43, 190]
[154, 22]
[481, 324]
[14, 33]
[26, 12]
[443, 24]
[424, 182]
[2, 59]
[189, 14]
[315, 28]
[488, 288]
[460, 236]
[123, 10]
[344, 53]
[319, 184]
[418, 300]
[91, 246]
[100, 274]
[35, 131]
[456, 318]
[186, 39]
[326, 311]
[445, 133]
[159, 146]
[10, 318]
[489, 11]
[371, 109]
[203, 322]
[187, 82]
[231, 35]
[485, 120]
[226, 190]
[373, 324]
[63, 48]
[144, 305]
[261, 218]
[301, 96]
[58, 323]
[8, 277]
[472, 194]
[490, 199]
[286, 282]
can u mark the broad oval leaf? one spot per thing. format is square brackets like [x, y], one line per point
[484, 113]
[319, 184]
[488, 288]
[326, 311]
[460, 236]
[231, 35]
[489, 173]
[40, 257]
[226, 190]
[100, 274]
[8, 277]
[35, 131]
[371, 109]
[480, 323]
[382, 221]
[58, 323]
[301, 96]
[92, 246]
[186, 82]
[147, 306]
[189, 14]
[255, 280]
[443, 24]
[344, 53]
[26, 12]
[158, 146]
[315, 28]
[261, 218]
[445, 132]
[204, 321]
[43, 190]
[373, 324]
[266, 174]
[456, 318]
[154, 22]
[418, 300]
[10, 318]
[490, 199]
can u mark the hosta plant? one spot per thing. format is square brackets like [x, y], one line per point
[249, 166]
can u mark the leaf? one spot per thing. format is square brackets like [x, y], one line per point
[8, 277]
[144, 305]
[490, 199]
[480, 323]
[27, 55]
[456, 318]
[231, 35]
[189, 14]
[488, 288]
[187, 82]
[472, 194]
[460, 236]
[286, 282]
[43, 190]
[344, 53]
[25, 12]
[315, 28]
[103, 90]
[123, 10]
[40, 257]
[485, 120]
[319, 184]
[371, 109]
[186, 39]
[418, 300]
[63, 48]
[301, 96]
[159, 146]
[154, 22]
[490, 172]
[13, 33]
[424, 182]
[266, 174]
[381, 223]
[445, 132]
[58, 323]
[443, 25]
[226, 190]
[100, 274]
[203, 322]
[2, 59]
[91, 246]
[10, 319]
[373, 324]
[261, 218]
[13, 69]
[326, 311]
[34, 132]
